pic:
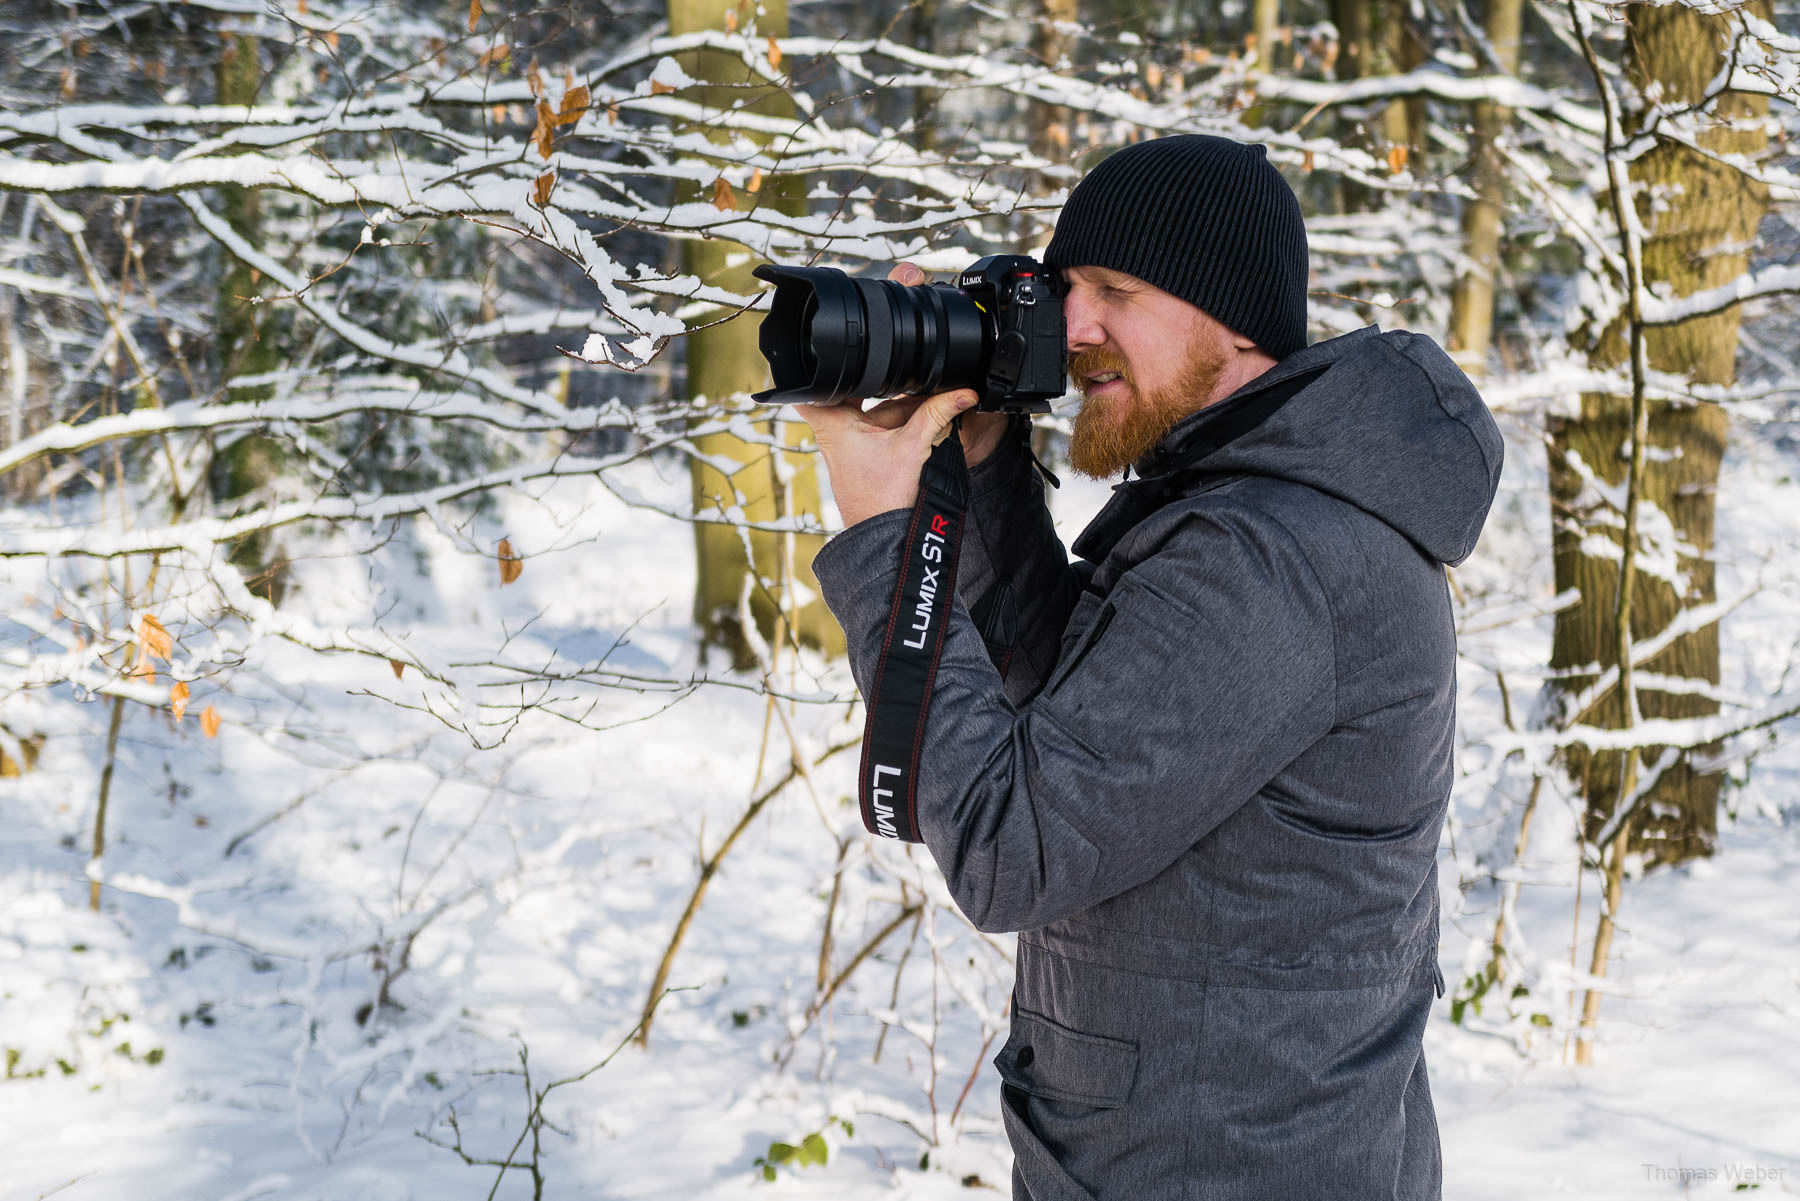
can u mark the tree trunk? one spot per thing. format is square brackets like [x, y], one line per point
[1472, 298]
[723, 364]
[253, 461]
[1696, 236]
[1375, 37]
[1049, 123]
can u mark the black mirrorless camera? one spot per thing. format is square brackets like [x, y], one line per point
[830, 337]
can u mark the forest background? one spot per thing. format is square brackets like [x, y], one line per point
[375, 388]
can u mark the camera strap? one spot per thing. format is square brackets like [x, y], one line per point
[918, 623]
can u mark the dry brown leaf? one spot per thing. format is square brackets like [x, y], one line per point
[145, 670]
[755, 184]
[575, 103]
[474, 14]
[535, 78]
[209, 721]
[1396, 159]
[1057, 134]
[1306, 161]
[774, 52]
[153, 638]
[510, 564]
[544, 135]
[178, 698]
[731, 19]
[497, 114]
[331, 39]
[723, 198]
[68, 82]
[612, 113]
[659, 88]
[493, 54]
[1153, 75]
[300, 7]
[399, 667]
[540, 191]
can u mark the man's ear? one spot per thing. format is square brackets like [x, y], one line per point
[1241, 343]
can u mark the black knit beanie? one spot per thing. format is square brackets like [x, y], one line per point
[1207, 219]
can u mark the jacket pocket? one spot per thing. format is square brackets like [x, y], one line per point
[1061, 1095]
[1060, 1064]
[1065, 669]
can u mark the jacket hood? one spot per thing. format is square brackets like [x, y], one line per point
[1384, 421]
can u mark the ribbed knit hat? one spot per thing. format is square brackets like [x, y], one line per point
[1207, 219]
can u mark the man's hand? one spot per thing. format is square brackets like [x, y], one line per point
[874, 458]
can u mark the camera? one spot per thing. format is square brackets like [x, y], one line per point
[830, 337]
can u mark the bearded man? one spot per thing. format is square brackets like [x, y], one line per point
[1207, 791]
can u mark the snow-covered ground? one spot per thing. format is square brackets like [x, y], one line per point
[215, 1032]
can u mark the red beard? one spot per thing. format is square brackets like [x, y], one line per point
[1117, 428]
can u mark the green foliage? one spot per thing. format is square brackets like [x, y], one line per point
[1468, 996]
[1474, 988]
[810, 1150]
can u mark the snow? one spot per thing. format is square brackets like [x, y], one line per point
[538, 881]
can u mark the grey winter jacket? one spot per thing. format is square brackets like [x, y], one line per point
[1209, 791]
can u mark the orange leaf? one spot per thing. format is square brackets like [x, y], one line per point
[510, 564]
[544, 135]
[575, 103]
[774, 52]
[178, 699]
[153, 639]
[300, 7]
[209, 721]
[755, 184]
[1153, 74]
[659, 88]
[399, 667]
[723, 199]
[612, 113]
[731, 20]
[535, 78]
[474, 14]
[331, 39]
[1306, 161]
[145, 670]
[540, 191]
[1396, 159]
[492, 54]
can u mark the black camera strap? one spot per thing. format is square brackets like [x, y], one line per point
[918, 623]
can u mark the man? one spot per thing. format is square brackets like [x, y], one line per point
[1208, 791]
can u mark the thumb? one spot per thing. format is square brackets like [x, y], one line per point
[932, 420]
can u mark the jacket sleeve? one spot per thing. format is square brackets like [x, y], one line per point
[1207, 669]
[1011, 556]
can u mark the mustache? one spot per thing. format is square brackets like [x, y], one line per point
[1095, 361]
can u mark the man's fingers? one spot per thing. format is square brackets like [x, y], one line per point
[827, 417]
[893, 413]
[935, 415]
[907, 273]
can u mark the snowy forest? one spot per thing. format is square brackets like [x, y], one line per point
[376, 393]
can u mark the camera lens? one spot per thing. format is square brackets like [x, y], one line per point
[830, 338]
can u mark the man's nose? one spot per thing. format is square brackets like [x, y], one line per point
[1081, 327]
